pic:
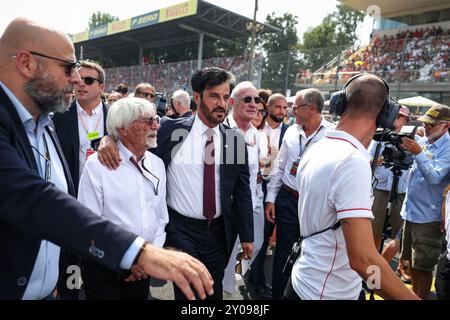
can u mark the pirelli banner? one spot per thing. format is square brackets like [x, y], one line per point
[184, 9]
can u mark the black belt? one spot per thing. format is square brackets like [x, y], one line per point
[291, 191]
[201, 223]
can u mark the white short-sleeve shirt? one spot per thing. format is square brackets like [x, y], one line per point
[334, 182]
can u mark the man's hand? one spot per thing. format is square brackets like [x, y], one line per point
[178, 267]
[108, 153]
[270, 212]
[137, 274]
[247, 248]
[411, 145]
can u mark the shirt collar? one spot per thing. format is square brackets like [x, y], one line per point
[440, 142]
[342, 135]
[24, 115]
[201, 127]
[95, 111]
[125, 153]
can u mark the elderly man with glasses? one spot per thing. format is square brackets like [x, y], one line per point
[133, 196]
[422, 206]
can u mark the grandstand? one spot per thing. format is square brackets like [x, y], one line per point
[126, 48]
[409, 47]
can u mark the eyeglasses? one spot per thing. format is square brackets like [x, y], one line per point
[70, 65]
[300, 105]
[263, 112]
[149, 120]
[238, 268]
[147, 94]
[431, 126]
[248, 99]
[90, 80]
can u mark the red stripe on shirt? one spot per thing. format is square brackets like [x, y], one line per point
[331, 269]
[342, 140]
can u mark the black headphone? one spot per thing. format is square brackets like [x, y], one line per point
[388, 112]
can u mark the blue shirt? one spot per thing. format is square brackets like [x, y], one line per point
[384, 176]
[429, 176]
[44, 276]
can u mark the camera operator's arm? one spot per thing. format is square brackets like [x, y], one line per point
[434, 170]
[363, 257]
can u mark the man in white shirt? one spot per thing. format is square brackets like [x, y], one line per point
[334, 183]
[282, 195]
[244, 99]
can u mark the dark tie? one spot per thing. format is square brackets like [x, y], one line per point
[209, 184]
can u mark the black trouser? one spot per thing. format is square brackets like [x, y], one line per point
[103, 284]
[288, 232]
[256, 273]
[443, 274]
[203, 240]
[289, 292]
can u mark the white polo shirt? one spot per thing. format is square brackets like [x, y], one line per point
[334, 182]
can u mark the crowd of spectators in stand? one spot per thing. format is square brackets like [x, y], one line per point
[169, 77]
[419, 55]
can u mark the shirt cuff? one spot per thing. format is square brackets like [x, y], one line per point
[271, 197]
[131, 253]
[421, 157]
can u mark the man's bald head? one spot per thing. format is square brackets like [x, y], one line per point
[365, 96]
[24, 34]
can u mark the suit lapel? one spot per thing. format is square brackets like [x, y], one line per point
[19, 129]
[50, 130]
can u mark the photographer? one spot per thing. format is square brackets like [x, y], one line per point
[429, 176]
[383, 184]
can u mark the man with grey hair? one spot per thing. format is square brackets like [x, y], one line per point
[181, 103]
[244, 99]
[133, 196]
[282, 195]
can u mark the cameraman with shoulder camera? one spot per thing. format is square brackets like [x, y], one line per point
[429, 176]
[383, 185]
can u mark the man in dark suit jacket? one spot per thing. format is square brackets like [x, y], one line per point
[76, 128]
[37, 74]
[85, 120]
[208, 235]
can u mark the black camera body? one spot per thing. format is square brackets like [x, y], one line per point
[394, 155]
[160, 103]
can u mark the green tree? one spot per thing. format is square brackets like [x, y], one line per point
[100, 18]
[279, 48]
[336, 32]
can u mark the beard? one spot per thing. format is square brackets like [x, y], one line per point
[44, 91]
[276, 119]
[152, 141]
[208, 114]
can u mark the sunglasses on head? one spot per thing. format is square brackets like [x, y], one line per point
[148, 94]
[248, 99]
[90, 80]
[70, 65]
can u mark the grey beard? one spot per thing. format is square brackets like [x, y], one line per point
[42, 90]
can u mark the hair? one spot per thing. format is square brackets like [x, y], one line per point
[183, 97]
[211, 77]
[265, 94]
[121, 88]
[143, 85]
[366, 95]
[274, 97]
[94, 66]
[312, 96]
[126, 110]
[241, 86]
[264, 104]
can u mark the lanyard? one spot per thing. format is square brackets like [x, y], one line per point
[83, 124]
[48, 167]
[302, 150]
[136, 164]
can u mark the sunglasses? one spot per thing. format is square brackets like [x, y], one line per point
[70, 65]
[149, 120]
[263, 112]
[148, 94]
[90, 80]
[238, 268]
[248, 99]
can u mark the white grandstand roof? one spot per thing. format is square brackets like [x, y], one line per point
[396, 8]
